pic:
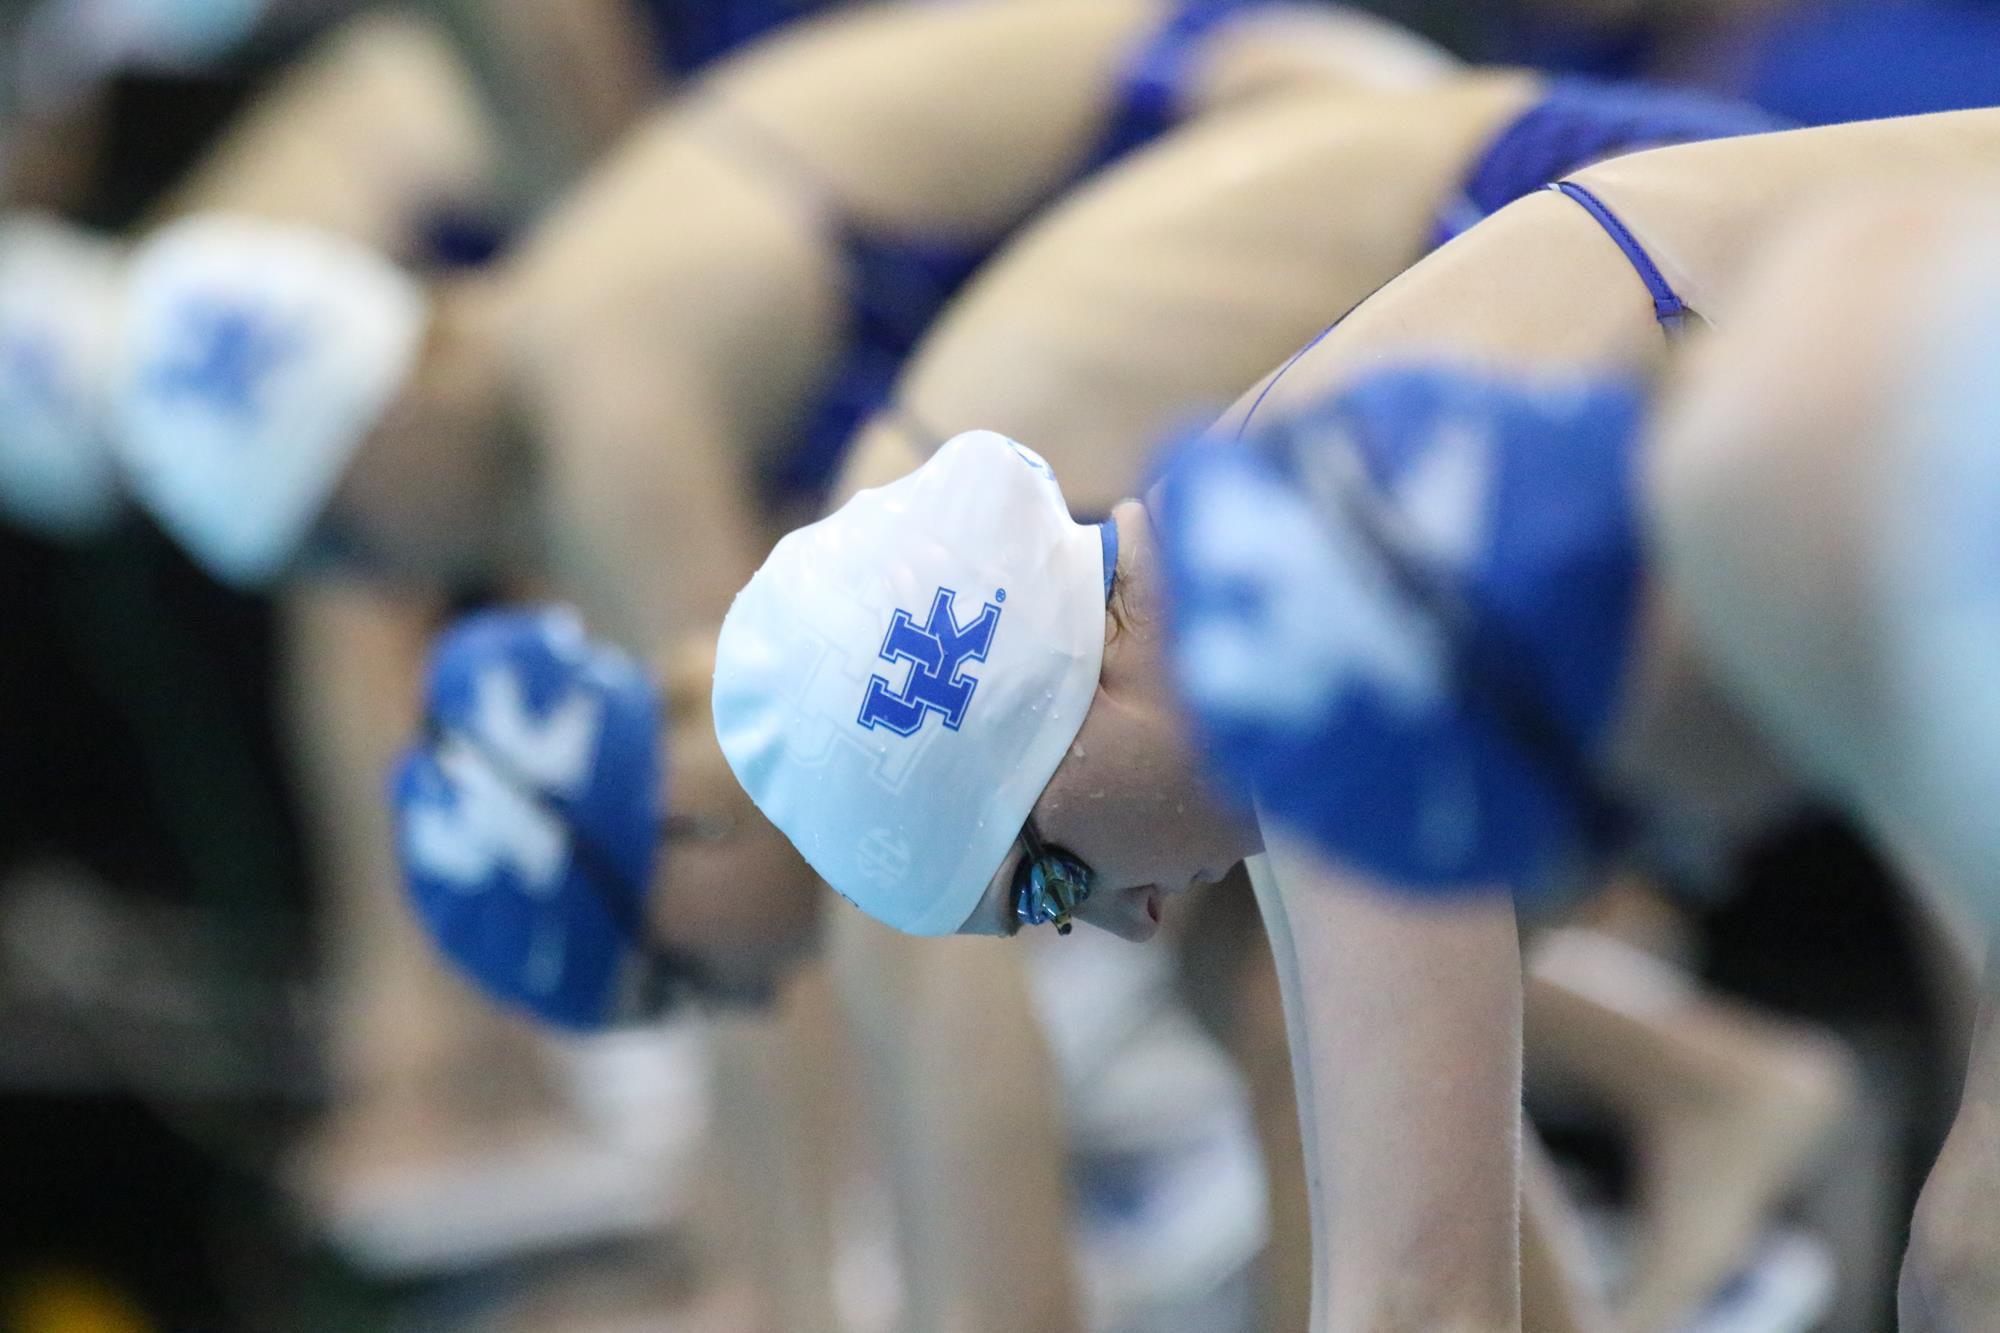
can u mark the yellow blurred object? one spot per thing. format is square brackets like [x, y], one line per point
[72, 1302]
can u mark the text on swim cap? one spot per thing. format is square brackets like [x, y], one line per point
[937, 651]
[490, 821]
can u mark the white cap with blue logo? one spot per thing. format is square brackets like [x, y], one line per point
[258, 356]
[898, 683]
[59, 311]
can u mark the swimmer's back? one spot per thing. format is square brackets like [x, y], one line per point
[1156, 291]
[1025, 89]
[1533, 287]
[1542, 285]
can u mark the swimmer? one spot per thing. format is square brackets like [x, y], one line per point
[1608, 271]
[1789, 393]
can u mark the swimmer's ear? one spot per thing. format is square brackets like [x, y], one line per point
[1117, 615]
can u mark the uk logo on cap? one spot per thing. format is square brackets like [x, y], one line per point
[227, 354]
[938, 652]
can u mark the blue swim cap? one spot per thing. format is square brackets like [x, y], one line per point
[1402, 618]
[527, 814]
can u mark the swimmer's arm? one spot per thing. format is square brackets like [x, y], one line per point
[352, 668]
[767, 1215]
[969, 1113]
[656, 524]
[1405, 1024]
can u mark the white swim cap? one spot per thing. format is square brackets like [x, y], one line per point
[59, 292]
[897, 684]
[257, 357]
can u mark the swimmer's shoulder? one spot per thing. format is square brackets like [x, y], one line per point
[885, 111]
[1344, 149]
[1263, 49]
[1533, 287]
[874, 51]
[1788, 161]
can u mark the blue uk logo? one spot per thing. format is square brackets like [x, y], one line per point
[227, 355]
[937, 651]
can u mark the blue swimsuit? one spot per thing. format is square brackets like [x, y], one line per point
[694, 33]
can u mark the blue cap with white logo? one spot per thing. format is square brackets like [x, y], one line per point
[527, 815]
[1402, 618]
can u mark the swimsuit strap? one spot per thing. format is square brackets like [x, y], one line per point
[1668, 307]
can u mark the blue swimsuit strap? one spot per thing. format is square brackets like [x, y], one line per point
[1668, 307]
